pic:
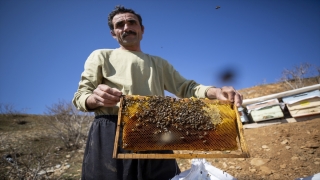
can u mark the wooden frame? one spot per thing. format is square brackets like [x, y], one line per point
[242, 145]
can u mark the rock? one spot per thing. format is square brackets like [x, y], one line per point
[312, 145]
[294, 158]
[50, 171]
[241, 159]
[283, 166]
[265, 170]
[288, 147]
[224, 164]
[258, 161]
[231, 167]
[66, 166]
[285, 142]
[80, 151]
[238, 168]
[68, 156]
[252, 170]
[58, 166]
[42, 172]
[302, 158]
[317, 163]
[265, 147]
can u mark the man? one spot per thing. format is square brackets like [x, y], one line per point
[110, 73]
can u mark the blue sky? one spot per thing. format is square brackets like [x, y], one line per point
[44, 44]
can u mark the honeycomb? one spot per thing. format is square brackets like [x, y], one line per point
[167, 123]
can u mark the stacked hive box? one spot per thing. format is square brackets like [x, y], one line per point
[303, 104]
[265, 110]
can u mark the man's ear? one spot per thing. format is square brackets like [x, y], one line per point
[142, 29]
[112, 33]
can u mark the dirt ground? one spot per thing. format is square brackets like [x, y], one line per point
[281, 151]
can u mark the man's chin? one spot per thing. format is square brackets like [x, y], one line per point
[130, 42]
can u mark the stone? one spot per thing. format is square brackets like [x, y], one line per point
[258, 161]
[288, 147]
[224, 164]
[283, 166]
[68, 156]
[252, 170]
[302, 158]
[265, 170]
[312, 145]
[285, 142]
[42, 172]
[265, 147]
[66, 166]
[317, 163]
[294, 158]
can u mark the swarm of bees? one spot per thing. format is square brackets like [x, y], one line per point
[167, 120]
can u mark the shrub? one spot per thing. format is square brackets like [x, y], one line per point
[68, 123]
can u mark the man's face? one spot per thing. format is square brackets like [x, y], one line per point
[127, 29]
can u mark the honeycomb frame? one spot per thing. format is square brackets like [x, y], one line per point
[151, 123]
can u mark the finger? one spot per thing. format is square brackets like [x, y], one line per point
[230, 95]
[106, 97]
[219, 95]
[114, 92]
[109, 90]
[228, 92]
[238, 99]
[105, 102]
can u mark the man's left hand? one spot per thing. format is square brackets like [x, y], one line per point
[225, 93]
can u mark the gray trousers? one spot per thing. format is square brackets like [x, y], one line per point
[98, 163]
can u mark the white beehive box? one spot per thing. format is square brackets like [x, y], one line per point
[303, 104]
[265, 110]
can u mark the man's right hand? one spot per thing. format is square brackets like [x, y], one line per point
[103, 95]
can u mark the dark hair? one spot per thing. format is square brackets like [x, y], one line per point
[120, 10]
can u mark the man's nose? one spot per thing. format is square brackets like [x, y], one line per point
[126, 26]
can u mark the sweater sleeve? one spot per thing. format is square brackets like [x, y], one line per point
[181, 87]
[91, 77]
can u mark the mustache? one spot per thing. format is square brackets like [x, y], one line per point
[128, 33]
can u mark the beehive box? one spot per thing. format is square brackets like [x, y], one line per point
[303, 104]
[151, 123]
[265, 110]
[243, 116]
